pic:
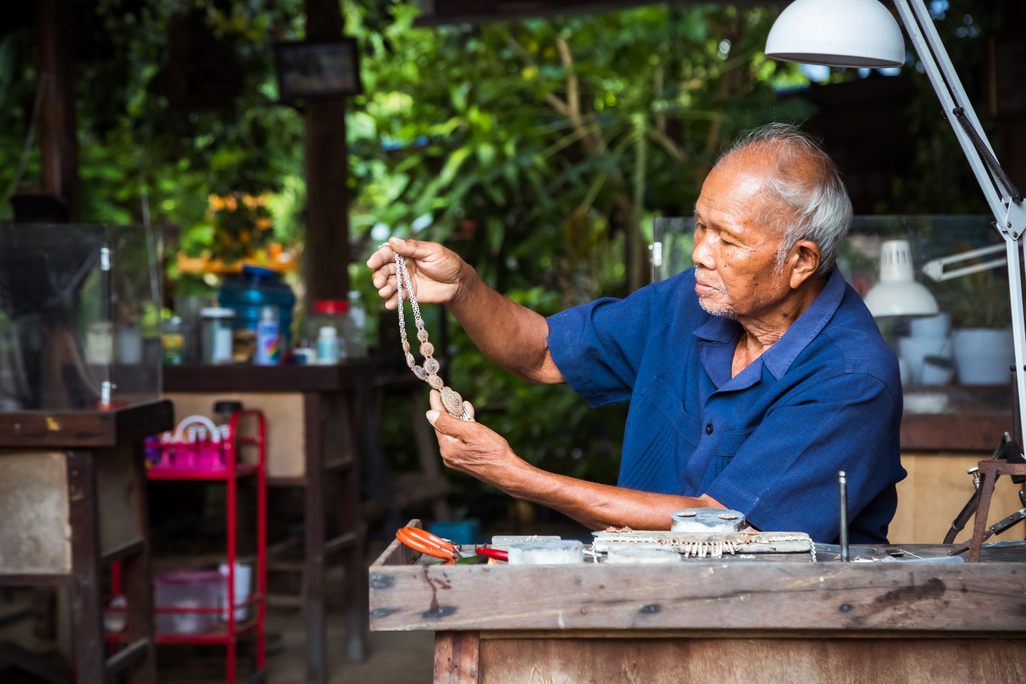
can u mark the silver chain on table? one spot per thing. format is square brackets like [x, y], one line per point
[451, 399]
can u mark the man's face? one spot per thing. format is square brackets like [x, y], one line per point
[735, 257]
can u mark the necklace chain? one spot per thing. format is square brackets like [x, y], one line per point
[428, 372]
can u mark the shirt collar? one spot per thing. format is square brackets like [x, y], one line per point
[802, 332]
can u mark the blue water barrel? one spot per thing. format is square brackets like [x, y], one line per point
[258, 287]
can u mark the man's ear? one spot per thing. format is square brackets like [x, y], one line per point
[804, 261]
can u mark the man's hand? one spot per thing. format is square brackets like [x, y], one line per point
[471, 447]
[435, 271]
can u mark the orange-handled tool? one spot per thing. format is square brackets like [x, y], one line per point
[427, 543]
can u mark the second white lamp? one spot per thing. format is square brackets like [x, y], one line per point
[897, 293]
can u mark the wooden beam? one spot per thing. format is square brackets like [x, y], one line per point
[715, 595]
[327, 195]
[58, 132]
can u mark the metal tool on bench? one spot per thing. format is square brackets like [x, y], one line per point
[706, 532]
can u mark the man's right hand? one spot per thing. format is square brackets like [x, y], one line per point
[436, 272]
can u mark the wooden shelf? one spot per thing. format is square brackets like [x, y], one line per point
[70, 429]
[954, 431]
[247, 378]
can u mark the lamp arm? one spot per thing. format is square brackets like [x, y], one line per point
[935, 269]
[1005, 202]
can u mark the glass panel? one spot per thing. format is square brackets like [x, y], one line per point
[936, 372]
[71, 299]
[672, 243]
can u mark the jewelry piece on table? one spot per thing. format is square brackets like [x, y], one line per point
[428, 372]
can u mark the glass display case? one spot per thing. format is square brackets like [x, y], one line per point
[956, 361]
[79, 317]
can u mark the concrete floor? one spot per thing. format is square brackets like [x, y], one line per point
[393, 658]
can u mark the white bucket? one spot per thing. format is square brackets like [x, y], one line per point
[243, 576]
[983, 356]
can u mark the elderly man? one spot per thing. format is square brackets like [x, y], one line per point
[753, 378]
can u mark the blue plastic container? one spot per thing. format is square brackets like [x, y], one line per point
[457, 531]
[258, 287]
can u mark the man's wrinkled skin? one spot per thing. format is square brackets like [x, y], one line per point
[740, 273]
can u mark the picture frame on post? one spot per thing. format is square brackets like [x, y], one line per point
[309, 70]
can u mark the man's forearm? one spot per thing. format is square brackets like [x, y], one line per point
[599, 506]
[509, 334]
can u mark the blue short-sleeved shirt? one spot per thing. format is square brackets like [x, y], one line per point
[768, 442]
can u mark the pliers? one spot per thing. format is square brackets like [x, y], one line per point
[433, 545]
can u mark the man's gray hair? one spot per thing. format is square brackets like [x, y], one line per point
[822, 208]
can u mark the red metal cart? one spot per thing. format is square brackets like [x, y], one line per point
[214, 459]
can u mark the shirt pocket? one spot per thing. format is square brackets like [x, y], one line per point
[666, 400]
[660, 441]
[726, 448]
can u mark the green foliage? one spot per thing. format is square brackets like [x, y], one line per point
[539, 150]
[533, 149]
[978, 300]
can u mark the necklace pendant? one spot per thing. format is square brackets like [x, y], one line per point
[453, 402]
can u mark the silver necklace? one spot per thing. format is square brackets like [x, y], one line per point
[451, 399]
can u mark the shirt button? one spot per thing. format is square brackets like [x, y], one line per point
[708, 429]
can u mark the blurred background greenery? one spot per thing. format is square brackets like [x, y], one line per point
[539, 150]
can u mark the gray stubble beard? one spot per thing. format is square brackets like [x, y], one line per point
[725, 311]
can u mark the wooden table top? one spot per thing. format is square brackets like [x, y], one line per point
[704, 595]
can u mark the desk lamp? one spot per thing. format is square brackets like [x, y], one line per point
[897, 293]
[862, 33]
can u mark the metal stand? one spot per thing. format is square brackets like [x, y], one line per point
[989, 473]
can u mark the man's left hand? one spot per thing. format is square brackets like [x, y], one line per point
[470, 447]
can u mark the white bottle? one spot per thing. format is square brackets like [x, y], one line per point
[356, 344]
[327, 346]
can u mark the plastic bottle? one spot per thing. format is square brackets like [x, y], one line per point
[333, 313]
[255, 288]
[269, 338]
[327, 346]
[173, 342]
[356, 342]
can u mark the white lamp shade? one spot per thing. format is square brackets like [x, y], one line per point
[897, 293]
[901, 299]
[837, 33]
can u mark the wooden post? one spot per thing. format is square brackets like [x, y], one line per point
[137, 581]
[314, 574]
[58, 134]
[327, 196]
[87, 611]
[457, 655]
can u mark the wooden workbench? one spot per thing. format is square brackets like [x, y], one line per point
[72, 500]
[717, 621]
